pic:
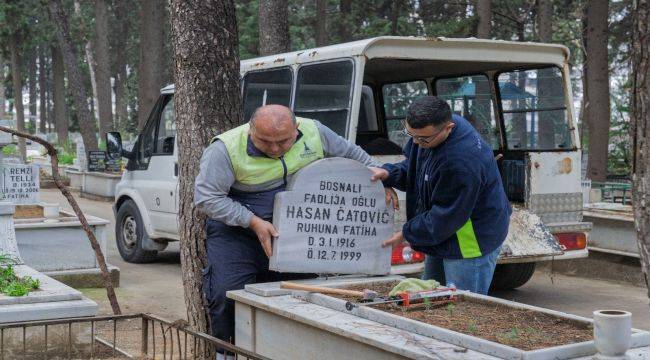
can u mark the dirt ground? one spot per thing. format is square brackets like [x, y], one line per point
[156, 287]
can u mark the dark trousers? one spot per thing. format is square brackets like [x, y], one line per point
[235, 258]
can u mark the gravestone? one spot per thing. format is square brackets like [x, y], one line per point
[19, 183]
[5, 137]
[332, 219]
[80, 161]
[97, 161]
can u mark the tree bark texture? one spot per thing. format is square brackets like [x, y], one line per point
[394, 17]
[546, 88]
[103, 69]
[597, 108]
[90, 59]
[42, 87]
[77, 86]
[17, 83]
[320, 23]
[31, 83]
[345, 20]
[640, 130]
[122, 9]
[207, 102]
[484, 24]
[151, 68]
[274, 27]
[58, 96]
[3, 96]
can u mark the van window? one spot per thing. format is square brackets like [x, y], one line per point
[397, 98]
[534, 109]
[323, 93]
[471, 98]
[266, 87]
[166, 130]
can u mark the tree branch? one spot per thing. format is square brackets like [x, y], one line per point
[99, 255]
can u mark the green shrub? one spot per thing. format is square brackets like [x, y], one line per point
[10, 284]
[10, 150]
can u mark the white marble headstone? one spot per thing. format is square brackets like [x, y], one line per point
[81, 160]
[332, 219]
[8, 245]
[19, 184]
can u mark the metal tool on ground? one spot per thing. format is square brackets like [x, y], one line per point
[366, 294]
[441, 294]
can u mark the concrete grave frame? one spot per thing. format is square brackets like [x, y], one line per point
[317, 320]
[94, 185]
[53, 300]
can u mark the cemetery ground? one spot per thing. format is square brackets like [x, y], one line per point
[156, 288]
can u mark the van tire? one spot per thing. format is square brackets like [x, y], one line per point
[129, 234]
[512, 276]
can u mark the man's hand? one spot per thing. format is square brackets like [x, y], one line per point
[391, 197]
[395, 240]
[378, 173]
[265, 232]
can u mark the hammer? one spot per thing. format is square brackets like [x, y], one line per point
[366, 294]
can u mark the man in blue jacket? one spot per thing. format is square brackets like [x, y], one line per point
[457, 210]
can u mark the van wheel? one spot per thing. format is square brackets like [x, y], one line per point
[512, 276]
[129, 233]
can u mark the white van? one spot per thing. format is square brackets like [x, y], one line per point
[517, 95]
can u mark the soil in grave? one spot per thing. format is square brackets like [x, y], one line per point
[522, 329]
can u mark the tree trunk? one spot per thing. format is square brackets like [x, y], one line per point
[17, 83]
[345, 21]
[3, 96]
[31, 82]
[90, 59]
[640, 130]
[274, 27]
[207, 102]
[103, 69]
[58, 96]
[597, 109]
[87, 126]
[42, 87]
[320, 23]
[484, 24]
[121, 33]
[394, 17]
[151, 70]
[545, 85]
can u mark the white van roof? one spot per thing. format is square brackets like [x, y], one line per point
[419, 48]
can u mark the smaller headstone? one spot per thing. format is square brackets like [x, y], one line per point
[19, 184]
[81, 161]
[8, 244]
[97, 161]
[5, 137]
[332, 219]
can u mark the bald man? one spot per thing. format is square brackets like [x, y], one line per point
[241, 171]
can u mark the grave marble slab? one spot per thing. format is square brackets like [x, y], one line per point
[332, 219]
[19, 183]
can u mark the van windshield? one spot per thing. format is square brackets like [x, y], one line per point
[534, 109]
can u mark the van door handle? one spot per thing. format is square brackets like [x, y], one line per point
[175, 169]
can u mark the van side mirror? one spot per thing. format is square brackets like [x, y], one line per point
[114, 145]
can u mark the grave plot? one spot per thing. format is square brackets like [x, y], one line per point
[490, 325]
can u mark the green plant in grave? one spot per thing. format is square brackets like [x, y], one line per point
[450, 309]
[10, 284]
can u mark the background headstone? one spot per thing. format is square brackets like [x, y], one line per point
[80, 160]
[5, 137]
[19, 184]
[97, 161]
[332, 219]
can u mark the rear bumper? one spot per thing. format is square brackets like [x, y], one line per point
[407, 269]
[572, 254]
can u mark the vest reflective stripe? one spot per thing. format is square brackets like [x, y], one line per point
[467, 241]
[253, 170]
